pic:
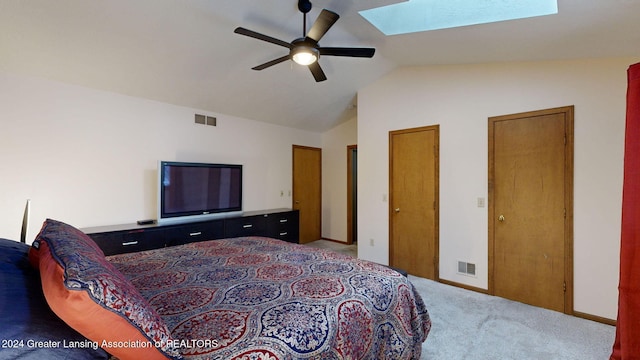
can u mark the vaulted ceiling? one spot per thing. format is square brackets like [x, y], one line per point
[184, 52]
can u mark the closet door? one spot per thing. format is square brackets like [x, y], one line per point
[530, 207]
[413, 202]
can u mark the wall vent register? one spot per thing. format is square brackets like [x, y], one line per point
[206, 120]
[466, 268]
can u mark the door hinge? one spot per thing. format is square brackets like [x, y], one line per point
[565, 213]
[564, 286]
[434, 205]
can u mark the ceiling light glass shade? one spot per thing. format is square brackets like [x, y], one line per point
[305, 55]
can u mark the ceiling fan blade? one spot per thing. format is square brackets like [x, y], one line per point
[271, 63]
[255, 35]
[323, 23]
[317, 72]
[352, 52]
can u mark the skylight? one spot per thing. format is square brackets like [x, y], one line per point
[423, 15]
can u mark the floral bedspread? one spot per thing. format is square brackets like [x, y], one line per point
[261, 298]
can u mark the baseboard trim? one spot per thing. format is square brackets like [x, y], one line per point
[595, 318]
[463, 286]
[335, 241]
[599, 319]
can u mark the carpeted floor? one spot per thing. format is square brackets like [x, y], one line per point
[467, 325]
[336, 246]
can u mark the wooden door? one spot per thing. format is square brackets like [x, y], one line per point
[413, 201]
[530, 208]
[307, 191]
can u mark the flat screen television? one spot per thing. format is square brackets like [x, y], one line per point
[198, 191]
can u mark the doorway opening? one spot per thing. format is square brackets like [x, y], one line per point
[352, 194]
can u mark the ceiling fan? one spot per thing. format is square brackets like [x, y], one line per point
[306, 50]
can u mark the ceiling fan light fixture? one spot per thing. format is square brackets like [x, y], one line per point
[306, 50]
[305, 55]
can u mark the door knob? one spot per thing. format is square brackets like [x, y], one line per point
[501, 218]
[397, 210]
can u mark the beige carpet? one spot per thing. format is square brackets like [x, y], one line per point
[467, 325]
[336, 246]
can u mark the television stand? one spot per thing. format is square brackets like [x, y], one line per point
[280, 224]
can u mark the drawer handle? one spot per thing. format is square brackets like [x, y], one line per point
[129, 243]
[283, 220]
[195, 233]
[283, 233]
[247, 226]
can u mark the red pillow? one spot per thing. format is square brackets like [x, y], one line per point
[95, 299]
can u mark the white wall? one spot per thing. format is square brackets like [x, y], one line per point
[460, 98]
[334, 178]
[89, 157]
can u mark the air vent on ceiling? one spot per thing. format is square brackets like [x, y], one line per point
[466, 268]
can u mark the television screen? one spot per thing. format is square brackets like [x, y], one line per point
[197, 189]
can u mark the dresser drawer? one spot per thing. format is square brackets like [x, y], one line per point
[127, 241]
[193, 232]
[284, 226]
[245, 226]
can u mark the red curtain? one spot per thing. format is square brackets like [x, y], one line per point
[627, 342]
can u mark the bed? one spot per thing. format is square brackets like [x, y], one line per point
[239, 298]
